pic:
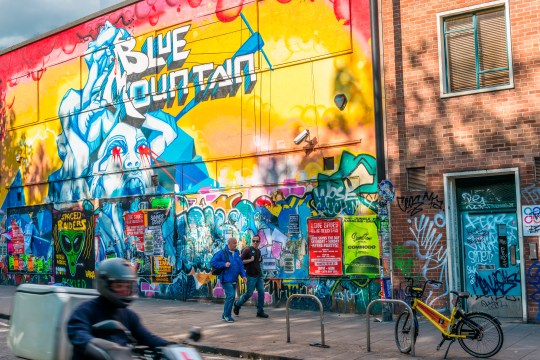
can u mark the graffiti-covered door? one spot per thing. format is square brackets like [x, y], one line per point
[491, 262]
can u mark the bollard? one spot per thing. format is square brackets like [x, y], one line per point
[413, 327]
[321, 344]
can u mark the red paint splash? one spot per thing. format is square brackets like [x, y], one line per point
[116, 152]
[228, 10]
[194, 3]
[342, 11]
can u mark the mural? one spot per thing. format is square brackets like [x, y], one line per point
[168, 127]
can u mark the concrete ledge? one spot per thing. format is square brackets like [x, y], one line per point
[238, 353]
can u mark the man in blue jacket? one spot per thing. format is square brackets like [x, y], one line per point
[229, 260]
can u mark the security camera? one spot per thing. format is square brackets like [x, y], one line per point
[301, 137]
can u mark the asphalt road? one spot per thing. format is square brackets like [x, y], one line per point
[5, 354]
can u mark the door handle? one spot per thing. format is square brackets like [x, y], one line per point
[513, 254]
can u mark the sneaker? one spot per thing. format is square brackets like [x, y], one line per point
[228, 319]
[236, 310]
[262, 315]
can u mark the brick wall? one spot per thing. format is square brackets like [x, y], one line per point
[492, 130]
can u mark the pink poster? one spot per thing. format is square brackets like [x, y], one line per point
[325, 251]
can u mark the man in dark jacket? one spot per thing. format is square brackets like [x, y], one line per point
[229, 259]
[252, 259]
[115, 281]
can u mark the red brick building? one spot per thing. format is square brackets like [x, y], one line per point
[462, 80]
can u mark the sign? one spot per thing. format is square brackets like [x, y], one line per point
[361, 246]
[531, 220]
[74, 259]
[325, 252]
[153, 234]
[161, 271]
[134, 227]
[294, 224]
[17, 238]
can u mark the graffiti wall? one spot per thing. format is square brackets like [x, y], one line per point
[176, 119]
[423, 253]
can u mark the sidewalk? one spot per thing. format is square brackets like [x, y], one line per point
[256, 338]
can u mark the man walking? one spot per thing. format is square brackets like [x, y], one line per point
[251, 257]
[229, 260]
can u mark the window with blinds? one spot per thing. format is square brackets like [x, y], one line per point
[476, 51]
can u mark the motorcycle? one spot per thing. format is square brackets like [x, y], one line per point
[101, 349]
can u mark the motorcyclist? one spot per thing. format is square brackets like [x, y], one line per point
[115, 282]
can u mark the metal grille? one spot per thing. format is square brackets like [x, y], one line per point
[537, 169]
[416, 179]
[486, 193]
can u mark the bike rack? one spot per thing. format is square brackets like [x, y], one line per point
[413, 327]
[321, 344]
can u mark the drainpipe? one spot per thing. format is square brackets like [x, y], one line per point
[377, 89]
[385, 241]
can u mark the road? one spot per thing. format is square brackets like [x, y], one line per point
[5, 354]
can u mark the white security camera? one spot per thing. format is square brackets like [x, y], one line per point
[301, 137]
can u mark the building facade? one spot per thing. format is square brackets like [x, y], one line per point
[462, 81]
[157, 130]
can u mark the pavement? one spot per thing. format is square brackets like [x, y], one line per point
[345, 334]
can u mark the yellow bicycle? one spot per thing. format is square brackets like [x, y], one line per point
[478, 333]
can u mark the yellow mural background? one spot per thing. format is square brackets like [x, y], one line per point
[314, 56]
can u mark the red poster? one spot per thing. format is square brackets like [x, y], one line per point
[325, 250]
[17, 239]
[134, 225]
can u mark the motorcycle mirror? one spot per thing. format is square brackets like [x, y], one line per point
[195, 334]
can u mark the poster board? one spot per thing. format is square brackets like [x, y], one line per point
[361, 246]
[325, 250]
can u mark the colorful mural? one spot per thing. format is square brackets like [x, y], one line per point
[176, 120]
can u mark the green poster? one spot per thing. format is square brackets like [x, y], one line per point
[361, 246]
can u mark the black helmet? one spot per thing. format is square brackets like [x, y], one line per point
[115, 269]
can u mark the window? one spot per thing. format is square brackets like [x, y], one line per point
[476, 50]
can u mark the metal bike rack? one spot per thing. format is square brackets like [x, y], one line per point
[321, 344]
[413, 327]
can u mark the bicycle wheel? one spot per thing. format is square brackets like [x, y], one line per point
[403, 331]
[484, 336]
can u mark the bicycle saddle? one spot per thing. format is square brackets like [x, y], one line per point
[462, 294]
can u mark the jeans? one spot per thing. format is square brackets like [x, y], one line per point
[252, 284]
[230, 294]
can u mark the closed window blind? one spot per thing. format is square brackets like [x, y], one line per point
[476, 50]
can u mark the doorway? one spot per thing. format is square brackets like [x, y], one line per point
[486, 255]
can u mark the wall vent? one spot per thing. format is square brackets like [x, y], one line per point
[328, 163]
[416, 179]
[537, 169]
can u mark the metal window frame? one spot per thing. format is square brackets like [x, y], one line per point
[443, 67]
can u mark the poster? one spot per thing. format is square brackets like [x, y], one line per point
[154, 233]
[162, 271]
[74, 259]
[17, 238]
[325, 252]
[531, 220]
[361, 246]
[28, 239]
[134, 227]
